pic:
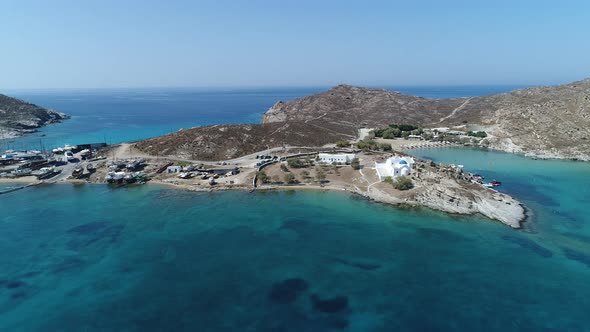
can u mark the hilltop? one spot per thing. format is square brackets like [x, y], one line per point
[18, 117]
[543, 122]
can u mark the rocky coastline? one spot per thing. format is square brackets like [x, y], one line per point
[18, 117]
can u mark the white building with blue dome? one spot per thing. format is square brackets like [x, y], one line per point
[394, 167]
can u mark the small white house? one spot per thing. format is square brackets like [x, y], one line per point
[174, 169]
[394, 166]
[342, 158]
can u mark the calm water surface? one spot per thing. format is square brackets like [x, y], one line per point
[92, 258]
[148, 258]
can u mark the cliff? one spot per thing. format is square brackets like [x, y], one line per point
[18, 117]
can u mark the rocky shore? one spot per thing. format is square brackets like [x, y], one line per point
[18, 117]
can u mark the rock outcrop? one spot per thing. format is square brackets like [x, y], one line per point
[18, 117]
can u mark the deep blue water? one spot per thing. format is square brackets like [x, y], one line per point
[115, 116]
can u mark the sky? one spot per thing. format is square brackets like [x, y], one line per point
[254, 43]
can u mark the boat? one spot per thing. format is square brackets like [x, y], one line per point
[47, 172]
[114, 177]
[22, 172]
[78, 172]
[492, 184]
[186, 175]
[134, 164]
[85, 154]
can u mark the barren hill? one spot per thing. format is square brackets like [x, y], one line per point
[18, 117]
[549, 122]
[222, 142]
[552, 122]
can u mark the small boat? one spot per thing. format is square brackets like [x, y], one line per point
[78, 172]
[496, 183]
[47, 172]
[22, 172]
[186, 175]
[114, 177]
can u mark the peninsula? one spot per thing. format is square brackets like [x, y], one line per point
[18, 117]
[336, 140]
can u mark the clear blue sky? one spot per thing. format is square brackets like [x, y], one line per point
[125, 43]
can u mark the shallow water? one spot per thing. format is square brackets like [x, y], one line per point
[150, 259]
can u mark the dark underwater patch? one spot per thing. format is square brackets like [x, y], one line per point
[18, 295]
[14, 284]
[524, 191]
[358, 265]
[88, 228]
[91, 234]
[30, 274]
[287, 290]
[528, 244]
[339, 324]
[68, 264]
[330, 305]
[568, 216]
[577, 256]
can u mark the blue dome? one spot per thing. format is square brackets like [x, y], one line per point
[403, 162]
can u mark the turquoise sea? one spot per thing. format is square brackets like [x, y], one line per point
[149, 258]
[123, 115]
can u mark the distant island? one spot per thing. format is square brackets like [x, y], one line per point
[18, 117]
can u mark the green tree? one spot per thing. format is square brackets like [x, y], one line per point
[385, 147]
[403, 183]
[355, 164]
[391, 133]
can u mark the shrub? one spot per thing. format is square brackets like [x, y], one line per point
[284, 168]
[296, 163]
[385, 147]
[262, 177]
[403, 183]
[320, 175]
[388, 179]
[342, 144]
[367, 145]
[355, 163]
[290, 178]
[480, 134]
